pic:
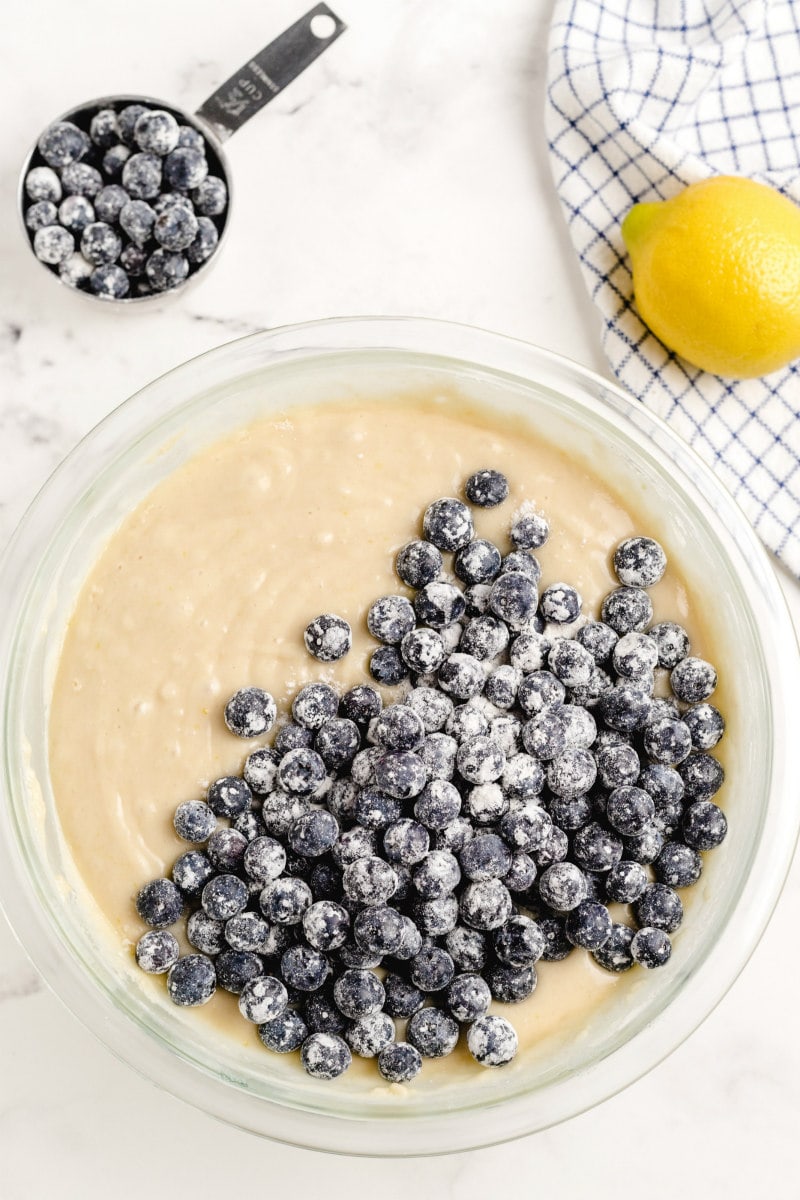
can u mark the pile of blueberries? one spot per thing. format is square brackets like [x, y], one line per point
[529, 778]
[124, 203]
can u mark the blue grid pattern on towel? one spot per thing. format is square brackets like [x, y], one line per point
[645, 97]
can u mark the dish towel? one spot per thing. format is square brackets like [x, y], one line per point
[644, 97]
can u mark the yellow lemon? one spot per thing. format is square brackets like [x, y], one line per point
[716, 274]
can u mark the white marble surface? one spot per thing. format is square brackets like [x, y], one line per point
[405, 173]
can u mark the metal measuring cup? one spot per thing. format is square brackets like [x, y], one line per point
[238, 99]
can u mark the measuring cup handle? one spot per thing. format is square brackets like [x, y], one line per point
[264, 76]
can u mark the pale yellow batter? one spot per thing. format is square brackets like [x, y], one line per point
[207, 586]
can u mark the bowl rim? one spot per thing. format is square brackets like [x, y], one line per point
[623, 1067]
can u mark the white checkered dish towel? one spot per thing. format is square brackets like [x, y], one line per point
[644, 97]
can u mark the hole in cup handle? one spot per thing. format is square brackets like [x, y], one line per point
[266, 74]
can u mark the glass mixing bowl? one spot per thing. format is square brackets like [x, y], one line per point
[724, 566]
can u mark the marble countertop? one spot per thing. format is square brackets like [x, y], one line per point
[405, 173]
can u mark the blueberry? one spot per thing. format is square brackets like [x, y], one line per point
[650, 948]
[263, 999]
[626, 881]
[76, 272]
[432, 707]
[571, 773]
[205, 933]
[560, 604]
[510, 985]
[523, 778]
[156, 131]
[439, 604]
[322, 1015]
[678, 865]
[326, 925]
[411, 940]
[570, 662]
[617, 764]
[492, 1041]
[435, 918]
[629, 810]
[236, 968]
[523, 563]
[386, 666]
[706, 726]
[224, 896]
[185, 168]
[562, 886]
[702, 776]
[379, 929]
[353, 844]
[284, 901]
[63, 143]
[540, 690]
[485, 905]
[615, 953]
[361, 704]
[399, 1062]
[210, 198]
[486, 488]
[229, 796]
[370, 1034]
[40, 214]
[485, 856]
[300, 772]
[467, 948]
[570, 812]
[461, 676]
[407, 841]
[191, 980]
[104, 128]
[81, 179]
[401, 774]
[315, 704]
[284, 1033]
[502, 685]
[75, 213]
[432, 1032]
[529, 651]
[205, 242]
[468, 997]
[659, 906]
[557, 945]
[109, 202]
[524, 829]
[519, 943]
[261, 770]
[639, 562]
[191, 872]
[156, 951]
[169, 200]
[176, 229]
[595, 849]
[513, 598]
[580, 727]
[589, 925]
[375, 810]
[486, 803]
[438, 755]
[189, 136]
[627, 609]
[315, 832]
[454, 836]
[109, 282]
[337, 742]
[327, 637]
[447, 524]
[667, 740]
[137, 218]
[480, 760]
[399, 727]
[279, 810]
[476, 599]
[141, 176]
[545, 735]
[521, 874]
[484, 637]
[369, 880]
[42, 184]
[438, 874]
[248, 931]
[304, 968]
[704, 825]
[693, 680]
[418, 563]
[159, 903]
[646, 846]
[114, 160]
[358, 993]
[166, 269]
[553, 847]
[477, 562]
[52, 244]
[672, 643]
[625, 708]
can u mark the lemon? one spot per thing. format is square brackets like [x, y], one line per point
[716, 274]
